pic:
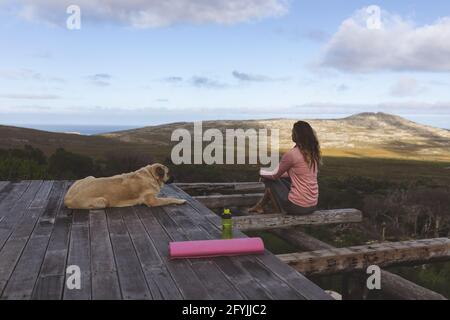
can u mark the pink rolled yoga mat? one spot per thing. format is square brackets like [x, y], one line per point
[215, 248]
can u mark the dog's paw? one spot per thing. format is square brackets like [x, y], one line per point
[180, 201]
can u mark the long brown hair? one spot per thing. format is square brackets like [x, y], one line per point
[306, 140]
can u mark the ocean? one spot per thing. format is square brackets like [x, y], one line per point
[79, 129]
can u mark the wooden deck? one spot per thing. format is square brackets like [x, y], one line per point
[122, 253]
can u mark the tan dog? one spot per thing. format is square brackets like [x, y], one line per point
[128, 189]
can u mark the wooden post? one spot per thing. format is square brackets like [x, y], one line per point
[400, 288]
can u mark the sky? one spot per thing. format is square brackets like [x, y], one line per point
[145, 62]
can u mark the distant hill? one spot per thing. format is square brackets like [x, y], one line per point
[94, 146]
[361, 135]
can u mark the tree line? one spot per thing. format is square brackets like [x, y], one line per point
[31, 163]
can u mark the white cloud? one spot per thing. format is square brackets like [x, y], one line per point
[151, 13]
[342, 88]
[28, 74]
[196, 81]
[398, 45]
[173, 79]
[30, 96]
[406, 87]
[250, 77]
[242, 76]
[205, 82]
[100, 79]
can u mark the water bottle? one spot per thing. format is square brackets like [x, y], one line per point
[227, 224]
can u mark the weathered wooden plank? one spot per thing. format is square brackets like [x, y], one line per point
[48, 287]
[229, 200]
[250, 287]
[80, 217]
[399, 288]
[50, 282]
[148, 255]
[21, 283]
[131, 277]
[3, 184]
[80, 255]
[11, 219]
[360, 257]
[10, 194]
[213, 278]
[25, 226]
[12, 250]
[9, 256]
[5, 188]
[46, 221]
[298, 282]
[320, 217]
[54, 263]
[105, 282]
[183, 275]
[222, 187]
[102, 254]
[158, 278]
[41, 198]
[23, 278]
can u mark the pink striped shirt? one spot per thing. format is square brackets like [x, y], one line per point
[304, 189]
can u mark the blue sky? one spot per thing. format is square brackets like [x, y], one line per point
[141, 63]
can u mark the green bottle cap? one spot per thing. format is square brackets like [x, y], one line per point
[226, 211]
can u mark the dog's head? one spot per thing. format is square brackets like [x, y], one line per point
[161, 173]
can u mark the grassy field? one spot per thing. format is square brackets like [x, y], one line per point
[387, 170]
[395, 170]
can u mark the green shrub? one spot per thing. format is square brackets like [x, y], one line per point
[67, 165]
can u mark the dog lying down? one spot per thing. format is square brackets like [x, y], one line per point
[124, 190]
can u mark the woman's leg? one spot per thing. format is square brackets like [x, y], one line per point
[259, 207]
[279, 191]
[274, 189]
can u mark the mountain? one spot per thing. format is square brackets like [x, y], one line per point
[360, 135]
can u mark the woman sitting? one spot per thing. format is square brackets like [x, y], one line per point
[293, 185]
